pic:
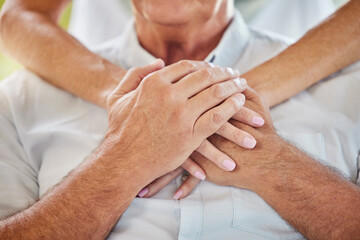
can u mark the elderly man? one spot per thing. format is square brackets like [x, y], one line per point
[46, 134]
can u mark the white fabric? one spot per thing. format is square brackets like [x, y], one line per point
[291, 18]
[45, 132]
[95, 21]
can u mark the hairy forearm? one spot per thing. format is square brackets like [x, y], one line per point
[327, 48]
[85, 205]
[311, 197]
[34, 39]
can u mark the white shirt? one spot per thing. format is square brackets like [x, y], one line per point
[95, 21]
[45, 132]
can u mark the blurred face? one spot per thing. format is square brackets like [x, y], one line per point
[175, 12]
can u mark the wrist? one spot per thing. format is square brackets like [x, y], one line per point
[122, 164]
[266, 173]
[114, 74]
[282, 173]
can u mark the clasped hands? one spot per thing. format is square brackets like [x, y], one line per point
[163, 117]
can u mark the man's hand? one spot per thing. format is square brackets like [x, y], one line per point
[314, 199]
[170, 114]
[251, 164]
[208, 150]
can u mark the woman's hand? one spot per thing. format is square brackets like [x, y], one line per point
[252, 165]
[228, 131]
[171, 113]
[196, 172]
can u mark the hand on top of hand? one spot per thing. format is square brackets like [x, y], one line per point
[177, 104]
[252, 166]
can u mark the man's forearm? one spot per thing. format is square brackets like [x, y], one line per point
[85, 205]
[329, 47]
[57, 56]
[311, 197]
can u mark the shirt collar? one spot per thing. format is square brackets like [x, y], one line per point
[131, 54]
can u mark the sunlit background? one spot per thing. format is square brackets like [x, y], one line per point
[8, 65]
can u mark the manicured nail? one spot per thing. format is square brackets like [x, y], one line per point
[237, 72]
[178, 194]
[143, 192]
[229, 164]
[200, 175]
[157, 61]
[249, 142]
[258, 121]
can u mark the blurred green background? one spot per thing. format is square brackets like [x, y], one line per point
[8, 65]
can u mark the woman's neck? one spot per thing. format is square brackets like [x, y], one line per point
[193, 40]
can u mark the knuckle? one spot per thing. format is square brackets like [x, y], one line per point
[217, 91]
[207, 74]
[132, 71]
[187, 64]
[238, 136]
[236, 103]
[245, 114]
[150, 80]
[216, 118]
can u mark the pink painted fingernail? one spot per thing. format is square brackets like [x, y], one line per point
[200, 175]
[229, 164]
[258, 121]
[178, 194]
[143, 192]
[249, 142]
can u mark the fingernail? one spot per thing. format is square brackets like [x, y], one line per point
[178, 194]
[229, 164]
[200, 175]
[237, 72]
[249, 142]
[143, 192]
[158, 60]
[258, 121]
[211, 65]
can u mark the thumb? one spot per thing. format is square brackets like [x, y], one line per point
[134, 76]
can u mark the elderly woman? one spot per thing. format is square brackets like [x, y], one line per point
[154, 127]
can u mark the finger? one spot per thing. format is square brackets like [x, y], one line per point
[159, 183]
[214, 95]
[248, 116]
[216, 156]
[200, 80]
[211, 121]
[186, 187]
[255, 97]
[134, 76]
[178, 70]
[237, 136]
[194, 169]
